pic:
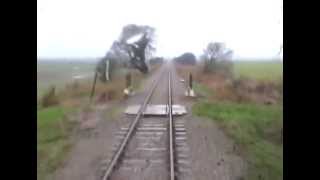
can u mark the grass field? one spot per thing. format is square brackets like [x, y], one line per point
[58, 73]
[265, 70]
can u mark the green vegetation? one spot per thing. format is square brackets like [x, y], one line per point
[201, 90]
[269, 70]
[256, 129]
[53, 130]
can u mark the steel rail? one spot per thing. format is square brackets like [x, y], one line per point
[131, 129]
[172, 174]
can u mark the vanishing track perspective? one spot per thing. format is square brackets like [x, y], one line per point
[151, 147]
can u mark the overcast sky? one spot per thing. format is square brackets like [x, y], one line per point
[86, 28]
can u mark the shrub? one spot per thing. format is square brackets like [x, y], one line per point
[49, 98]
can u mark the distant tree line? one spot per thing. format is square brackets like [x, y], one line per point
[186, 58]
[216, 58]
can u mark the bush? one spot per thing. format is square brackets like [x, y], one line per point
[225, 68]
[49, 98]
[257, 91]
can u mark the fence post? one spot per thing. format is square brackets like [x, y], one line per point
[127, 91]
[190, 81]
[128, 80]
[93, 85]
[190, 92]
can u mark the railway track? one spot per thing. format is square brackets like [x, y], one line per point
[149, 147]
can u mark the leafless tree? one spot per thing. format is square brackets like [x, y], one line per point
[215, 51]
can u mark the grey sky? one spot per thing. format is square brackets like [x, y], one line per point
[86, 28]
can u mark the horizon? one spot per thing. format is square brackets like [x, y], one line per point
[92, 59]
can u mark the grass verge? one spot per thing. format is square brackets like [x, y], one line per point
[53, 129]
[256, 129]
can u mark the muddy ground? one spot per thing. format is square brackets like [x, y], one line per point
[211, 152]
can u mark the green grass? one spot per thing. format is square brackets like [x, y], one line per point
[53, 142]
[269, 70]
[201, 90]
[256, 129]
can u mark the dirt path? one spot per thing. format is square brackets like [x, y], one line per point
[211, 152]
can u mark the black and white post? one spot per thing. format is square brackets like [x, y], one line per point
[190, 92]
[128, 90]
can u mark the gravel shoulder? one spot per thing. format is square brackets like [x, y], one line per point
[212, 152]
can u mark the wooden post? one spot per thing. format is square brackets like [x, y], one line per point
[190, 92]
[127, 90]
[190, 81]
[128, 80]
[93, 85]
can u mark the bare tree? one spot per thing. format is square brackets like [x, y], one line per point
[214, 53]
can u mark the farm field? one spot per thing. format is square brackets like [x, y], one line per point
[259, 70]
[58, 73]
